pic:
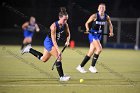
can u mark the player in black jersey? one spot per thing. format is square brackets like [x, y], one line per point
[95, 33]
[50, 43]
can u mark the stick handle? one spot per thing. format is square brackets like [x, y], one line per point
[87, 32]
[59, 56]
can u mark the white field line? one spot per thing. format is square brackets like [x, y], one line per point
[72, 85]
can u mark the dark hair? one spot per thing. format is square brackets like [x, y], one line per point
[102, 4]
[62, 12]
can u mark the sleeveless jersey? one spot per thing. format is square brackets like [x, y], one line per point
[99, 23]
[59, 31]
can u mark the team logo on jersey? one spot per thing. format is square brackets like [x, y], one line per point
[59, 34]
[100, 23]
[31, 28]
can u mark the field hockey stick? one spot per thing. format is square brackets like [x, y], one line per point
[59, 56]
[19, 27]
[87, 32]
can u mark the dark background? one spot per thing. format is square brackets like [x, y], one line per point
[46, 12]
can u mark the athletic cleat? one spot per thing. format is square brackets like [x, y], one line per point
[93, 69]
[26, 49]
[81, 69]
[65, 78]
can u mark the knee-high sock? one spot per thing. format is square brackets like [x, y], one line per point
[36, 53]
[85, 60]
[22, 45]
[59, 68]
[94, 60]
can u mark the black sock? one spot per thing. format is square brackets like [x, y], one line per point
[59, 68]
[36, 53]
[94, 60]
[85, 60]
[22, 46]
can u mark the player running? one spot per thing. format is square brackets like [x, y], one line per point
[50, 43]
[98, 21]
[29, 28]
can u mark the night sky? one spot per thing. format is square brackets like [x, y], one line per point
[46, 12]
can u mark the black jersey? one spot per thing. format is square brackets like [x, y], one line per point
[99, 23]
[59, 31]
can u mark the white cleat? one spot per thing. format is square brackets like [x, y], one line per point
[26, 49]
[65, 78]
[81, 69]
[93, 69]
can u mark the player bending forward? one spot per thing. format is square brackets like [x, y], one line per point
[50, 43]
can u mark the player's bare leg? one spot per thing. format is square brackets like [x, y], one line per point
[98, 49]
[46, 56]
[80, 68]
[26, 41]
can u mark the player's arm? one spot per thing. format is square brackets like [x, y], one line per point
[68, 34]
[110, 26]
[25, 25]
[37, 28]
[91, 18]
[53, 36]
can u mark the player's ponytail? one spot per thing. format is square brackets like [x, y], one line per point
[62, 12]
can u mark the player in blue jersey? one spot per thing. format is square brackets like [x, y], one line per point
[95, 33]
[29, 28]
[50, 43]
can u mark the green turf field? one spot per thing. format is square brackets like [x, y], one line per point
[119, 72]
